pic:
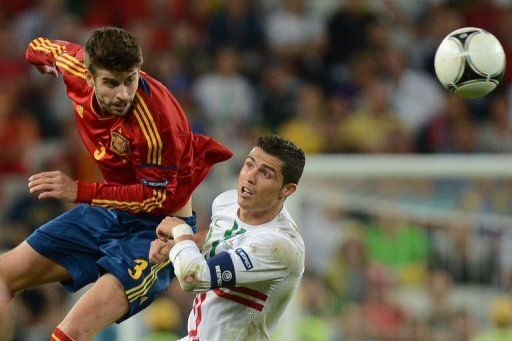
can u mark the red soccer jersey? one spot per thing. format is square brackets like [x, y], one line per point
[150, 160]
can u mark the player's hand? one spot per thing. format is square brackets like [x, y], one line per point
[164, 229]
[45, 69]
[159, 250]
[54, 185]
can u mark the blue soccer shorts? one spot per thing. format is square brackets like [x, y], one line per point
[91, 240]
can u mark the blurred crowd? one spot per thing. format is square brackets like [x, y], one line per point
[408, 262]
[335, 76]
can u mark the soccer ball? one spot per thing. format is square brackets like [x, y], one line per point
[470, 62]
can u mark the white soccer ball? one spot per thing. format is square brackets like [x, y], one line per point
[470, 62]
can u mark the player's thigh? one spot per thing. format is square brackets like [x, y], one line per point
[22, 267]
[104, 303]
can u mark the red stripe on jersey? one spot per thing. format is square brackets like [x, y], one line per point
[239, 300]
[250, 292]
[198, 302]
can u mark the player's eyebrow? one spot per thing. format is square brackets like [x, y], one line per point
[267, 167]
[132, 75]
[111, 79]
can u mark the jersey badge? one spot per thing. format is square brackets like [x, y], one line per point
[246, 261]
[155, 183]
[119, 144]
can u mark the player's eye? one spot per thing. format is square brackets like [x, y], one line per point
[111, 84]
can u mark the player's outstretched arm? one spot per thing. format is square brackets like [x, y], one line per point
[53, 185]
[260, 258]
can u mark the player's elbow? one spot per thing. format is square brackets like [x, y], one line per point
[190, 277]
[187, 282]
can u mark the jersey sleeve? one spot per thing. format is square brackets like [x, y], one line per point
[260, 258]
[65, 57]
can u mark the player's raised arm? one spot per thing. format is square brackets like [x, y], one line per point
[57, 56]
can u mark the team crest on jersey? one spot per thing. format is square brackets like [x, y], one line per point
[119, 144]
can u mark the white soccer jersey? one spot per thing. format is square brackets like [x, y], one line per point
[245, 277]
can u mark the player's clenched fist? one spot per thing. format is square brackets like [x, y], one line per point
[166, 228]
[159, 250]
[55, 185]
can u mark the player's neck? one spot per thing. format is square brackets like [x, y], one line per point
[259, 217]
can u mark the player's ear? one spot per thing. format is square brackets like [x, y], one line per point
[288, 190]
[89, 78]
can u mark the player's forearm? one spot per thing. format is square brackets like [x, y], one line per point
[136, 197]
[190, 267]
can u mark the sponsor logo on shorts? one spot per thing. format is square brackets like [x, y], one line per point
[245, 259]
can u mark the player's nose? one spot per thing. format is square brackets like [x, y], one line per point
[123, 94]
[251, 176]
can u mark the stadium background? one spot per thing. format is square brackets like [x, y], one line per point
[348, 78]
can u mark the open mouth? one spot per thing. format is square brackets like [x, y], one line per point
[246, 192]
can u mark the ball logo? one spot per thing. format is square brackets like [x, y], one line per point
[226, 276]
[470, 62]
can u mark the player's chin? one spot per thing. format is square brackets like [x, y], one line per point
[118, 113]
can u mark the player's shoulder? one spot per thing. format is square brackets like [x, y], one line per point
[153, 98]
[284, 234]
[281, 245]
[224, 201]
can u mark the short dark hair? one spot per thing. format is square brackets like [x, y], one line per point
[112, 49]
[292, 156]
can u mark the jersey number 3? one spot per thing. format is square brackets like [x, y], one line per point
[140, 265]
